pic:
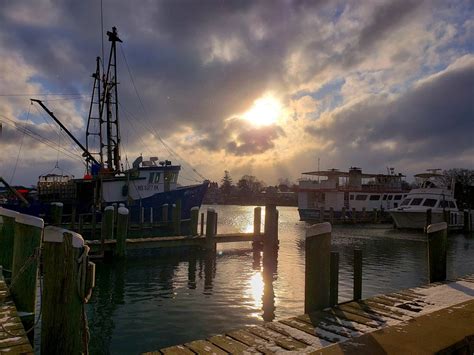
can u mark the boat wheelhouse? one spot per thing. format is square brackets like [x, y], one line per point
[337, 190]
[432, 193]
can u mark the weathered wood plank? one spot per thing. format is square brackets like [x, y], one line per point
[254, 341]
[176, 350]
[204, 347]
[379, 311]
[354, 318]
[230, 345]
[279, 339]
[327, 324]
[315, 331]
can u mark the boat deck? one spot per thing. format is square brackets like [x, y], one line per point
[420, 320]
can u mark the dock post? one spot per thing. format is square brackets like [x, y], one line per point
[257, 220]
[194, 221]
[56, 213]
[7, 235]
[142, 217]
[437, 250]
[94, 222]
[68, 279]
[331, 215]
[428, 218]
[364, 214]
[334, 284]
[81, 223]
[270, 240]
[122, 231]
[164, 213]
[357, 274]
[354, 215]
[215, 222]
[202, 223]
[151, 216]
[467, 221]
[210, 229]
[343, 214]
[321, 215]
[26, 251]
[317, 267]
[176, 216]
[376, 218]
[107, 226]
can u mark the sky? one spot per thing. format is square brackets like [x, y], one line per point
[264, 88]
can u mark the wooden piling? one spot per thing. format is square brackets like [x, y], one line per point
[27, 244]
[364, 214]
[94, 222]
[428, 218]
[56, 213]
[317, 267]
[321, 215]
[437, 250]
[467, 221]
[72, 225]
[334, 283]
[151, 216]
[357, 274]
[215, 222]
[202, 223]
[270, 241]
[107, 226]
[176, 215]
[142, 217]
[122, 231]
[376, 218]
[331, 215]
[343, 214]
[257, 220]
[210, 229]
[354, 215]
[193, 227]
[62, 301]
[7, 235]
[164, 212]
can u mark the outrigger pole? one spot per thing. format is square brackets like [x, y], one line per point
[86, 153]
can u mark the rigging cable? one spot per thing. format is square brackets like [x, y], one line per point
[170, 150]
[21, 145]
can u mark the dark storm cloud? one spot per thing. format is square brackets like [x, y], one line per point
[254, 140]
[434, 119]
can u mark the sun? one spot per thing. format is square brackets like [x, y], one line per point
[264, 112]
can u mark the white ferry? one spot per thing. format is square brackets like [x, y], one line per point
[432, 193]
[323, 190]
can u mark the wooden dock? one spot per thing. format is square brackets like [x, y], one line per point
[13, 338]
[174, 241]
[422, 320]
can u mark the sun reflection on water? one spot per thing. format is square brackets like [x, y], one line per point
[255, 289]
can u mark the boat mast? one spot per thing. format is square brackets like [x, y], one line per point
[112, 145]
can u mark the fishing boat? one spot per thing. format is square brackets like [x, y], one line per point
[349, 190]
[148, 183]
[432, 193]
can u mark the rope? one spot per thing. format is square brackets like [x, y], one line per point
[21, 146]
[84, 295]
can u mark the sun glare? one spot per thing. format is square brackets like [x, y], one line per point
[265, 111]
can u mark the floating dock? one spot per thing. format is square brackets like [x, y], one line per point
[422, 320]
[13, 338]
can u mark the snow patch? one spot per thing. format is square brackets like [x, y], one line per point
[56, 235]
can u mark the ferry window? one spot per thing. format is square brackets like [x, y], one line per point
[157, 178]
[174, 177]
[430, 202]
[406, 202]
[361, 197]
[351, 197]
[390, 197]
[374, 197]
[443, 204]
[384, 197]
[151, 179]
[451, 204]
[416, 202]
[397, 197]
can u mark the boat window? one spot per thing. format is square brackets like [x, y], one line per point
[398, 197]
[430, 202]
[416, 202]
[151, 179]
[361, 197]
[390, 197]
[443, 204]
[374, 197]
[384, 197]
[175, 177]
[451, 204]
[351, 197]
[406, 202]
[157, 178]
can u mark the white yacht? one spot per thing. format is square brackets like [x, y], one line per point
[432, 193]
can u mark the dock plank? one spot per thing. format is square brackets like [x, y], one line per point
[230, 345]
[204, 347]
[251, 340]
[282, 341]
[176, 350]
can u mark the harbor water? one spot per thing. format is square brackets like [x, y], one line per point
[155, 299]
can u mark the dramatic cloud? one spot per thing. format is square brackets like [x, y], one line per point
[359, 83]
